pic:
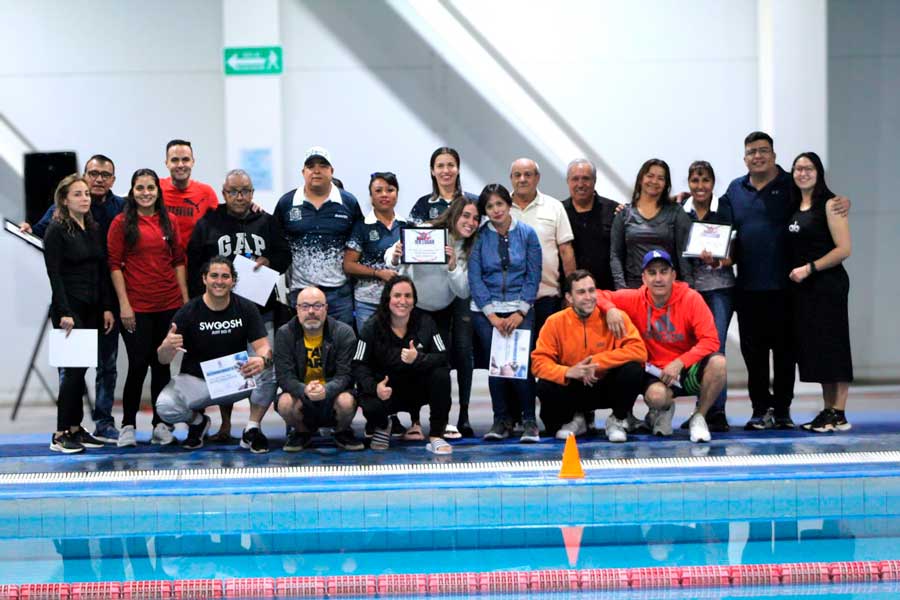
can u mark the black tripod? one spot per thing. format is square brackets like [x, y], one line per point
[32, 368]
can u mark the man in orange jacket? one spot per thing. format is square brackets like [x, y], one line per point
[581, 365]
[681, 339]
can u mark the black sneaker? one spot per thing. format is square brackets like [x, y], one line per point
[370, 429]
[465, 429]
[840, 421]
[297, 441]
[499, 431]
[717, 422]
[65, 443]
[255, 441]
[784, 422]
[85, 439]
[397, 428]
[195, 434]
[346, 440]
[823, 423]
[761, 420]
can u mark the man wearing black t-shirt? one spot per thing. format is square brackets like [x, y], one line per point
[215, 325]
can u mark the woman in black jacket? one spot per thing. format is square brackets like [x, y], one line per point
[401, 360]
[75, 257]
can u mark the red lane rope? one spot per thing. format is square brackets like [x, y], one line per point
[464, 583]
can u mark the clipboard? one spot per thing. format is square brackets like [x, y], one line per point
[29, 238]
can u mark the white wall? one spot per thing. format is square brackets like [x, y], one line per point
[676, 80]
[864, 129]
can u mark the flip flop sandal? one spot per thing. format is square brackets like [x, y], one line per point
[381, 440]
[414, 433]
[452, 433]
[222, 437]
[439, 446]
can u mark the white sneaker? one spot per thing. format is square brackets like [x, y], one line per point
[126, 437]
[615, 429]
[577, 426]
[662, 424]
[162, 435]
[699, 430]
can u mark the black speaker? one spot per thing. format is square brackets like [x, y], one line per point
[43, 172]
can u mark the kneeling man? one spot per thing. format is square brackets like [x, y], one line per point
[582, 366]
[313, 353]
[681, 339]
[217, 324]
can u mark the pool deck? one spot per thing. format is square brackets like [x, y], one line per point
[871, 448]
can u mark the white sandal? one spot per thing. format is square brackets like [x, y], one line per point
[439, 446]
[452, 433]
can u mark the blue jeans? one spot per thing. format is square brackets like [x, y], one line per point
[364, 310]
[502, 390]
[339, 299]
[721, 303]
[105, 384]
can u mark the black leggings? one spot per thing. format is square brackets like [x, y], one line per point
[149, 332]
[409, 390]
[69, 404]
[454, 323]
[617, 390]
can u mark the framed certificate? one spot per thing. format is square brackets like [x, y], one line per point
[712, 237]
[423, 245]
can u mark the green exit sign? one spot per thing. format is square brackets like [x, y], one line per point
[264, 60]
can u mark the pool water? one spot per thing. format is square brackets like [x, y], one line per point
[387, 551]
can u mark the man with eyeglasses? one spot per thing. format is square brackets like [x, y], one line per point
[187, 200]
[233, 229]
[313, 353]
[217, 325]
[100, 173]
[317, 220]
[759, 206]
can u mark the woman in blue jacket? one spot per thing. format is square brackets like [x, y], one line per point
[504, 273]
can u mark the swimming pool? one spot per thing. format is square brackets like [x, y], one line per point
[491, 524]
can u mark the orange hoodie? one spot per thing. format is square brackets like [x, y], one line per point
[683, 328]
[566, 339]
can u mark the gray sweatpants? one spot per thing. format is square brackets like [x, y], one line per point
[186, 394]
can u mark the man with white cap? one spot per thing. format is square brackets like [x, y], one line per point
[317, 219]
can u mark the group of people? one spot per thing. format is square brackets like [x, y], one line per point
[613, 307]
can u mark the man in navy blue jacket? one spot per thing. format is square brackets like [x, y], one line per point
[759, 206]
[100, 173]
[317, 220]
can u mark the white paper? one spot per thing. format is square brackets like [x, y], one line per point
[255, 286]
[223, 375]
[714, 238]
[509, 354]
[77, 350]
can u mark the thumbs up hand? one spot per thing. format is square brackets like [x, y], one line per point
[174, 339]
[408, 355]
[384, 392]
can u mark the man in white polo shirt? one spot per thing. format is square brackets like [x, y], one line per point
[548, 217]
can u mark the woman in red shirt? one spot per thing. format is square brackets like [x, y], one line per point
[146, 262]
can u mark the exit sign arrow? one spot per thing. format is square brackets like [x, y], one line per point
[266, 60]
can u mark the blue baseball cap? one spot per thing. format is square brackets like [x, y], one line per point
[656, 255]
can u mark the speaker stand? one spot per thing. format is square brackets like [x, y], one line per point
[32, 368]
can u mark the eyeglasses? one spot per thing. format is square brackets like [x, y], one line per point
[317, 306]
[804, 169]
[382, 175]
[100, 174]
[759, 151]
[245, 192]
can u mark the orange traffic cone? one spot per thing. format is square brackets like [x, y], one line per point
[571, 462]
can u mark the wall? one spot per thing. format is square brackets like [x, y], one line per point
[864, 129]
